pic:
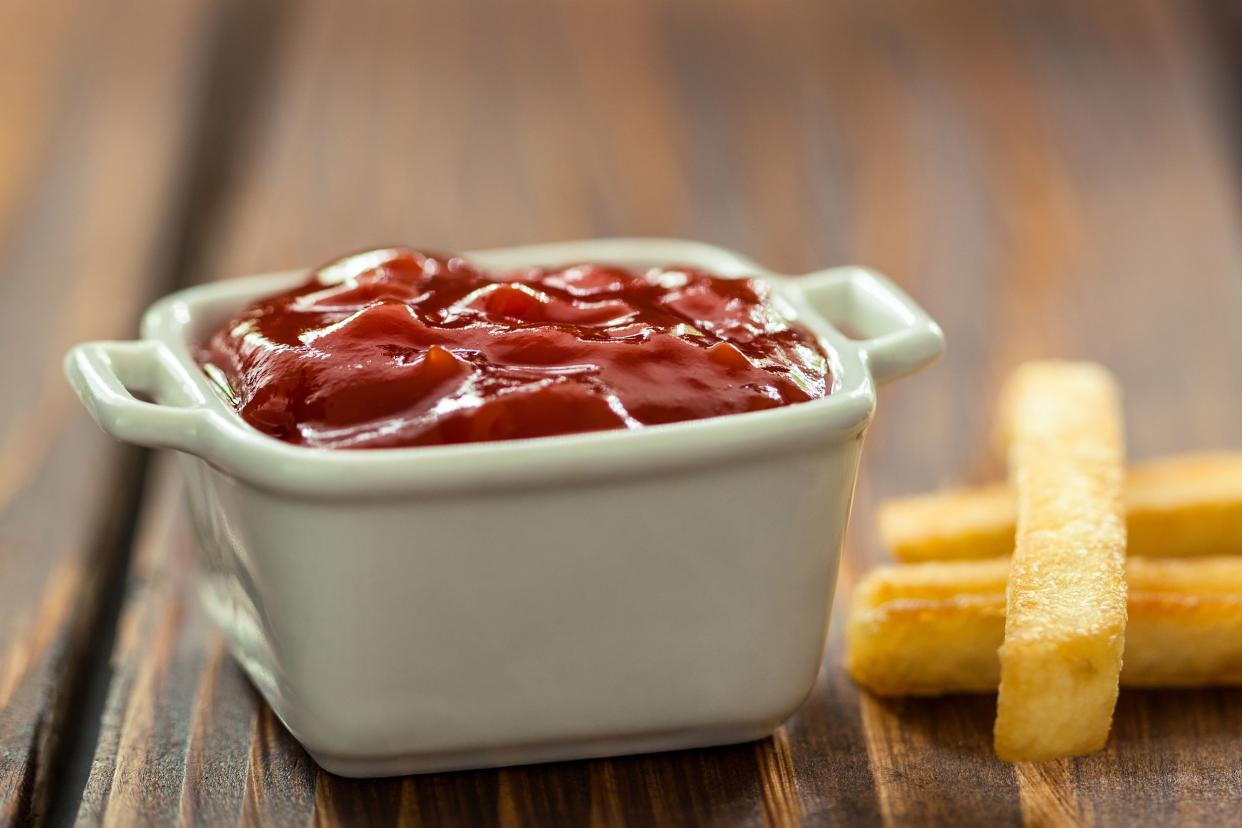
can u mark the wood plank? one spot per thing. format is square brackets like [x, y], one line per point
[1013, 166]
[96, 118]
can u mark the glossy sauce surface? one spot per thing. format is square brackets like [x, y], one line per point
[396, 347]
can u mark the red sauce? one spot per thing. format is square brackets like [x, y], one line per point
[400, 348]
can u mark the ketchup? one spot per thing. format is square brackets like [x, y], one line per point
[395, 347]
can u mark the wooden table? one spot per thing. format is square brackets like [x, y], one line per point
[1055, 178]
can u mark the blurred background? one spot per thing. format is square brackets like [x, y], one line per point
[1047, 178]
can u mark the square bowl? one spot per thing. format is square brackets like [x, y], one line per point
[422, 609]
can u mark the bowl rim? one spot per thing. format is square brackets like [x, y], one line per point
[219, 435]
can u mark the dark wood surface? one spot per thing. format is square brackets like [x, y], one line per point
[96, 116]
[1055, 178]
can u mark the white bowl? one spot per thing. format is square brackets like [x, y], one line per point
[446, 607]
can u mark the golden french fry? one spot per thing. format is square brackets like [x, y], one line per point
[934, 628]
[951, 524]
[1187, 504]
[1065, 611]
[928, 629]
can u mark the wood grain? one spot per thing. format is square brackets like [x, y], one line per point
[1052, 179]
[96, 117]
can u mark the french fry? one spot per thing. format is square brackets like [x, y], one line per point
[928, 629]
[1065, 610]
[932, 629]
[951, 524]
[1188, 504]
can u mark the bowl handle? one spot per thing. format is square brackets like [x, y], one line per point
[105, 376]
[896, 336]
